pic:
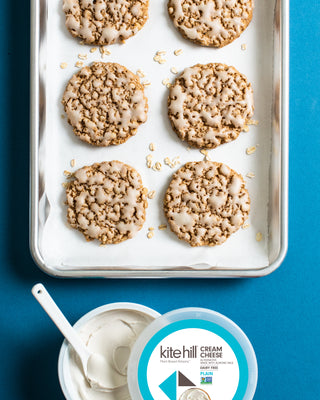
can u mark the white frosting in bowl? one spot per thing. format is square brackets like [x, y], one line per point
[110, 337]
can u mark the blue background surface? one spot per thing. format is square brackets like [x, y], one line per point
[279, 313]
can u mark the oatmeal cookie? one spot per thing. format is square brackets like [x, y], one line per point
[211, 22]
[104, 22]
[210, 104]
[206, 202]
[106, 201]
[105, 103]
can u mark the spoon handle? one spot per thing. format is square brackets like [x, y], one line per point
[47, 303]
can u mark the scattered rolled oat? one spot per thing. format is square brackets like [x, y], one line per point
[83, 56]
[63, 65]
[151, 228]
[93, 49]
[67, 173]
[140, 73]
[162, 227]
[251, 150]
[166, 82]
[149, 160]
[79, 64]
[104, 51]
[253, 122]
[205, 153]
[158, 166]
[146, 83]
[176, 161]
[259, 237]
[150, 235]
[158, 57]
[245, 225]
[72, 162]
[243, 46]
[161, 53]
[246, 128]
[178, 52]
[174, 70]
[151, 195]
[250, 175]
[172, 163]
[151, 146]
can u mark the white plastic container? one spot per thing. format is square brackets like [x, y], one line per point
[67, 383]
[190, 351]
[192, 354]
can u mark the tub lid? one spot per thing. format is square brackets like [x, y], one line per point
[192, 354]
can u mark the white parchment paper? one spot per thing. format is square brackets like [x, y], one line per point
[64, 247]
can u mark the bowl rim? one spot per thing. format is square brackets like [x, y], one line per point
[64, 376]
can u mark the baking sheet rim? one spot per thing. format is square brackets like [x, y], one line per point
[144, 272]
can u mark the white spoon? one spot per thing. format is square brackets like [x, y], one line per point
[92, 363]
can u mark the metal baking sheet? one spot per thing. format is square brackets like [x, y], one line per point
[61, 251]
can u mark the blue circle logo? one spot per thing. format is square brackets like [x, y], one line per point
[187, 324]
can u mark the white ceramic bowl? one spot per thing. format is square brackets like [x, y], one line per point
[65, 378]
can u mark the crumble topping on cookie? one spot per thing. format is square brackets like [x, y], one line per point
[106, 201]
[210, 104]
[104, 22]
[105, 104]
[206, 202]
[211, 22]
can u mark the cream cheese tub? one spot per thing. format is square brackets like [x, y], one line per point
[192, 354]
[186, 354]
[110, 331]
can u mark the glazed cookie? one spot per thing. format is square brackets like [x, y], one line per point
[104, 22]
[211, 22]
[210, 104]
[206, 202]
[105, 104]
[106, 201]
